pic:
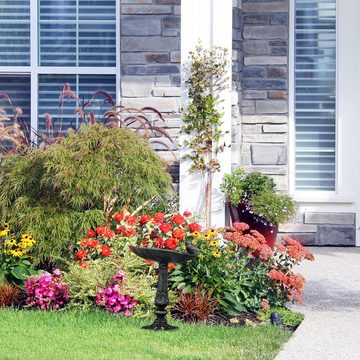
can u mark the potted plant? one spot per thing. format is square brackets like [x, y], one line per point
[252, 199]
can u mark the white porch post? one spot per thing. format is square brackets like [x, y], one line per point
[211, 22]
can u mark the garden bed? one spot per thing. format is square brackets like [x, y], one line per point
[98, 335]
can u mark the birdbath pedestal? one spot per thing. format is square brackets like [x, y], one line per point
[163, 257]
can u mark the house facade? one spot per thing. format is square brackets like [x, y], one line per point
[290, 110]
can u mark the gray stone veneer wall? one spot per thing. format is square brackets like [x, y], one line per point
[150, 64]
[261, 73]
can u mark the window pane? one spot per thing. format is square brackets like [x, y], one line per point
[77, 32]
[14, 32]
[83, 87]
[17, 87]
[315, 90]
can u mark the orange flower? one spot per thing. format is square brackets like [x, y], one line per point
[105, 251]
[178, 234]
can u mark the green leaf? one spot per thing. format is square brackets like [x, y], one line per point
[20, 272]
[178, 278]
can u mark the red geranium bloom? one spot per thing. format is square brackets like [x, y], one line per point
[194, 227]
[178, 219]
[144, 243]
[159, 218]
[91, 233]
[149, 262]
[85, 242]
[131, 220]
[121, 229]
[94, 243]
[109, 234]
[159, 242]
[179, 233]
[81, 254]
[119, 216]
[187, 213]
[105, 250]
[171, 244]
[144, 219]
[165, 227]
[129, 232]
[84, 264]
[171, 267]
[100, 230]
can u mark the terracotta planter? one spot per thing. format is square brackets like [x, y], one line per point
[241, 214]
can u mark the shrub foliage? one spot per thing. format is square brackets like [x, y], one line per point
[59, 193]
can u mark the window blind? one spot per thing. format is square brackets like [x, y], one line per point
[14, 32]
[50, 88]
[77, 33]
[315, 94]
[17, 87]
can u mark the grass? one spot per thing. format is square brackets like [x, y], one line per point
[97, 335]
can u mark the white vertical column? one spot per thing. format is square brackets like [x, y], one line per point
[209, 21]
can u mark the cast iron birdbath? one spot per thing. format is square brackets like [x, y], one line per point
[163, 257]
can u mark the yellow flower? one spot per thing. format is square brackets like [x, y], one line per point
[201, 256]
[16, 253]
[6, 226]
[4, 232]
[216, 254]
[214, 243]
[11, 243]
[230, 251]
[213, 232]
[196, 234]
[194, 242]
[26, 236]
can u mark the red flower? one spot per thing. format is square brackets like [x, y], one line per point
[171, 244]
[129, 232]
[187, 213]
[94, 243]
[144, 243]
[85, 242]
[159, 218]
[84, 264]
[171, 267]
[119, 216]
[109, 234]
[179, 233]
[194, 227]
[165, 227]
[91, 233]
[81, 254]
[178, 219]
[105, 250]
[149, 262]
[121, 229]
[100, 230]
[131, 220]
[154, 234]
[159, 242]
[145, 219]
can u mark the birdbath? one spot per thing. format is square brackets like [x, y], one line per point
[163, 257]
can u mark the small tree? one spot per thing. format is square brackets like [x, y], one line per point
[206, 71]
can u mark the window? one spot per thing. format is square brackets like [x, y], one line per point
[47, 43]
[315, 95]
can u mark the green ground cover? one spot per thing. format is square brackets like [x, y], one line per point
[71, 335]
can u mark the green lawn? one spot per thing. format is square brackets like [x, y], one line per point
[98, 335]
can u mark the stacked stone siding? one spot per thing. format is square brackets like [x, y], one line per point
[264, 93]
[150, 64]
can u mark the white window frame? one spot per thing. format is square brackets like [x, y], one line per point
[34, 70]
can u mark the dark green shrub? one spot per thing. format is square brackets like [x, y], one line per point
[58, 194]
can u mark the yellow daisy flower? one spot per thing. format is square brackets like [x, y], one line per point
[214, 243]
[6, 226]
[11, 242]
[4, 232]
[196, 234]
[216, 254]
[213, 232]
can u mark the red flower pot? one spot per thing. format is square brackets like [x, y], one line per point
[241, 214]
